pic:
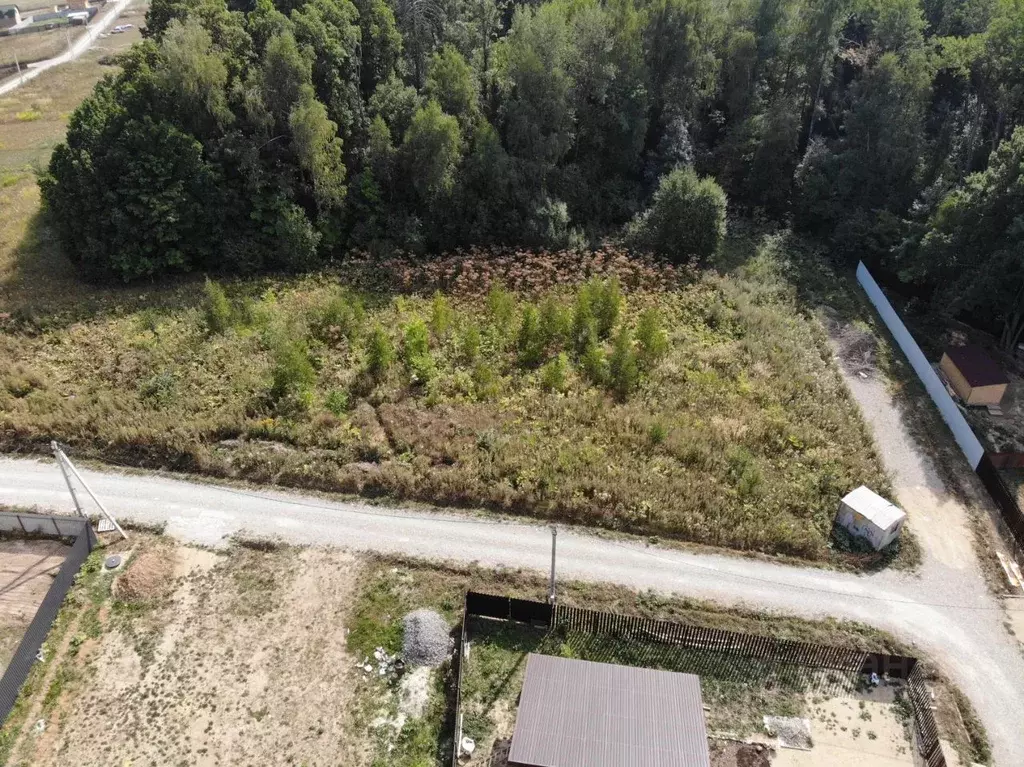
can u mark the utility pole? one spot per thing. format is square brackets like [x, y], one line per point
[551, 585]
[66, 463]
[59, 455]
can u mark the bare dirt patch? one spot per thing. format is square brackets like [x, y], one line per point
[243, 661]
[26, 572]
[733, 754]
[148, 576]
[865, 730]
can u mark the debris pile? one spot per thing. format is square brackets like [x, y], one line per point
[383, 663]
[427, 642]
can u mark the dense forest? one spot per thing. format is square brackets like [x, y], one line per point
[279, 135]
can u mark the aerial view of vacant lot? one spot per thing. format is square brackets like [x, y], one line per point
[646, 398]
[290, 656]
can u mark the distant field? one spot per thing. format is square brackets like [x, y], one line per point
[36, 46]
[33, 119]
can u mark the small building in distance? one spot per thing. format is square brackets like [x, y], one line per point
[575, 713]
[10, 16]
[868, 515]
[974, 376]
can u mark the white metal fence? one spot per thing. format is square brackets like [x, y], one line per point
[937, 391]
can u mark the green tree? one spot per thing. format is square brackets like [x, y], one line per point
[195, 76]
[380, 43]
[318, 150]
[535, 86]
[432, 148]
[450, 82]
[686, 218]
[131, 197]
[286, 73]
[973, 253]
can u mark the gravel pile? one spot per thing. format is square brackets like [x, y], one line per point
[426, 642]
[792, 732]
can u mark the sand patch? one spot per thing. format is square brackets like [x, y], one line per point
[27, 569]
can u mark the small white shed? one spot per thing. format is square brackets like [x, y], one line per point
[868, 515]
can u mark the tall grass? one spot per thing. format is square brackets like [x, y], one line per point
[708, 411]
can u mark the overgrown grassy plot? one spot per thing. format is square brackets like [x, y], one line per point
[648, 399]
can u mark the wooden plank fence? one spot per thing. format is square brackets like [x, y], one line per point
[681, 635]
[924, 720]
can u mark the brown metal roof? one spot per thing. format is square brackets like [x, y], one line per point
[977, 367]
[575, 713]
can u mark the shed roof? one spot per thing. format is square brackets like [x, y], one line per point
[575, 713]
[874, 507]
[977, 367]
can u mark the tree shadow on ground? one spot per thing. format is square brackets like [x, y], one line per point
[41, 289]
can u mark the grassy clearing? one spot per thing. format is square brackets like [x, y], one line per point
[697, 407]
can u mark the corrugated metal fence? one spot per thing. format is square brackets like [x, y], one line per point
[1006, 500]
[681, 635]
[979, 459]
[49, 527]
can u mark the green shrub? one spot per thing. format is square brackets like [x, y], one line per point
[416, 352]
[584, 325]
[216, 308]
[293, 375]
[422, 369]
[469, 343]
[529, 342]
[623, 370]
[415, 340]
[657, 432]
[686, 218]
[380, 353]
[501, 310]
[606, 302]
[341, 317]
[744, 471]
[441, 315]
[555, 323]
[592, 359]
[337, 401]
[486, 381]
[652, 342]
[159, 389]
[553, 373]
